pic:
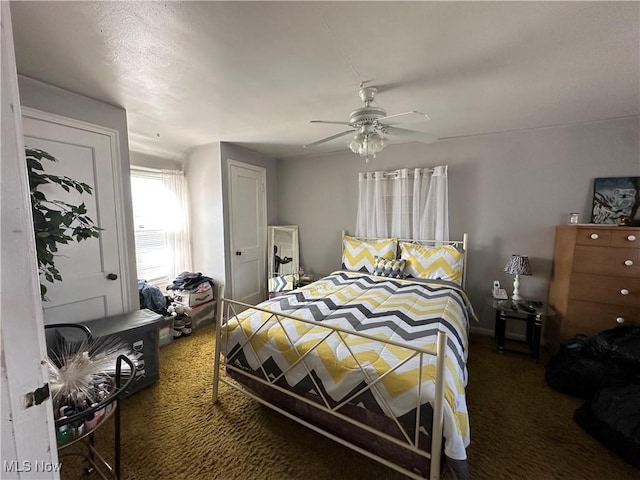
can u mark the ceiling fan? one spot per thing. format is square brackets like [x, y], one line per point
[371, 125]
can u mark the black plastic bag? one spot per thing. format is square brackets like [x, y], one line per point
[613, 417]
[625, 341]
[584, 365]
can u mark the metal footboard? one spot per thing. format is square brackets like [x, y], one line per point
[229, 308]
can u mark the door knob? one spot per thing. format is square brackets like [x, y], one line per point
[238, 253]
[112, 276]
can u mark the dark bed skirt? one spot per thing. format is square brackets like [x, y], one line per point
[456, 469]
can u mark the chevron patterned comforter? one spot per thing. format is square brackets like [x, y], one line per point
[406, 311]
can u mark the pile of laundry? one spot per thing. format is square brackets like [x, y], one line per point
[189, 281]
[193, 302]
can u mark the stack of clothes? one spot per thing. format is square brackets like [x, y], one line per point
[193, 301]
[189, 281]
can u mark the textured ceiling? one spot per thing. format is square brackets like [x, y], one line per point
[255, 73]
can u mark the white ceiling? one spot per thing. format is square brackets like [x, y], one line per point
[255, 73]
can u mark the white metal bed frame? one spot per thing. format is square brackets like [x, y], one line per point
[228, 308]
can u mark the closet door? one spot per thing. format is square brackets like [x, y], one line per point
[92, 270]
[247, 207]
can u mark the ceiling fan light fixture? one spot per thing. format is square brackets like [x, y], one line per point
[356, 143]
[366, 144]
[371, 125]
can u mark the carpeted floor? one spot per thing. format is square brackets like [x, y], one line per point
[521, 428]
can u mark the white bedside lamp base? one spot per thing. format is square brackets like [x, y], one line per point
[516, 286]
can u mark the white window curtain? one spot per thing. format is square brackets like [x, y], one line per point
[406, 203]
[161, 221]
[372, 216]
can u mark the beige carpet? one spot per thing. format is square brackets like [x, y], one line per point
[521, 429]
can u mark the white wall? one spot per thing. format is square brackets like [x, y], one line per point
[204, 180]
[140, 159]
[507, 191]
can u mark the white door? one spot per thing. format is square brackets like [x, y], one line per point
[28, 434]
[92, 280]
[247, 218]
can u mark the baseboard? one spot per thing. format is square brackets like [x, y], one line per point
[490, 332]
[482, 331]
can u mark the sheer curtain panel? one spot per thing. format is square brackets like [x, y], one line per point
[161, 224]
[178, 235]
[431, 207]
[405, 203]
[372, 215]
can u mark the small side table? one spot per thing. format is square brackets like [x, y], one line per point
[511, 310]
[305, 280]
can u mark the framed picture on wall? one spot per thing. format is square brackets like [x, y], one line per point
[616, 200]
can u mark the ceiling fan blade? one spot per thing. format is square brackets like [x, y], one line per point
[406, 117]
[332, 123]
[332, 137]
[422, 137]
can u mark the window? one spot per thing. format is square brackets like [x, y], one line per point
[161, 226]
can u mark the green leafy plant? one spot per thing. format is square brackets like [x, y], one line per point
[54, 221]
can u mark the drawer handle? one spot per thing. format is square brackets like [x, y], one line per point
[628, 263]
[620, 320]
[624, 291]
[594, 236]
[631, 238]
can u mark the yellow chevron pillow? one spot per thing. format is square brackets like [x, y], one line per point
[443, 262]
[282, 283]
[360, 255]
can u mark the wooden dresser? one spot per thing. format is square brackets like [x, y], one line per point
[595, 282]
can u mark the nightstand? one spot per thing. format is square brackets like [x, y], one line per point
[305, 280]
[533, 316]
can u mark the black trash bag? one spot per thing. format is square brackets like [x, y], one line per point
[584, 365]
[625, 341]
[612, 416]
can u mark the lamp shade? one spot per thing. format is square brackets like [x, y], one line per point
[518, 265]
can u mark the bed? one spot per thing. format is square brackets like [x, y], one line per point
[372, 359]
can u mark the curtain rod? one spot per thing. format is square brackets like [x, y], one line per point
[396, 173]
[154, 170]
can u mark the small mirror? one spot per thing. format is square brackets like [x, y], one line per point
[283, 259]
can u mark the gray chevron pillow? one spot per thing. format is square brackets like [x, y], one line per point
[389, 268]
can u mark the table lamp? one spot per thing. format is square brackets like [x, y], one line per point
[517, 265]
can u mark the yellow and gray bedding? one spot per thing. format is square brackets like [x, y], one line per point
[407, 311]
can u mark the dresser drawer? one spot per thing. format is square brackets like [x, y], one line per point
[593, 236]
[590, 318]
[626, 238]
[605, 289]
[607, 261]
